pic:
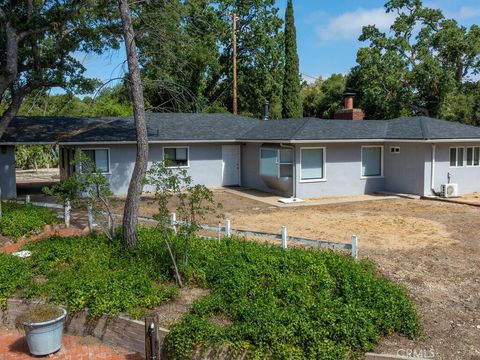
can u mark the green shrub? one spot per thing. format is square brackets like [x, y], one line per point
[293, 304]
[99, 274]
[14, 274]
[22, 219]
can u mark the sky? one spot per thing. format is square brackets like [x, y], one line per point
[327, 34]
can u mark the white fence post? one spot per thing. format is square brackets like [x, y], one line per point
[173, 222]
[228, 229]
[66, 213]
[284, 237]
[27, 199]
[90, 217]
[355, 247]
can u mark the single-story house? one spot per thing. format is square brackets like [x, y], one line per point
[301, 158]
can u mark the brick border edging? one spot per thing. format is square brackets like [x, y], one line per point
[116, 330]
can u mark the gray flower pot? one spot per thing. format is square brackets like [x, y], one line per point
[44, 338]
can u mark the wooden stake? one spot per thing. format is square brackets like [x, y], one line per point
[235, 107]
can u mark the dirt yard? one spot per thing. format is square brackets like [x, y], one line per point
[432, 248]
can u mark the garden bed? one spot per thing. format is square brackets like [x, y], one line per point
[262, 299]
[20, 220]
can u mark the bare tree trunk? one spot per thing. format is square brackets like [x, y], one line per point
[132, 203]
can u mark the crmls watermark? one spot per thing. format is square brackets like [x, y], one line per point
[417, 353]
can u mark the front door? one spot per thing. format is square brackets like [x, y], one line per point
[231, 165]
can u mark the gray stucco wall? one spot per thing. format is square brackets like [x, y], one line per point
[205, 164]
[404, 171]
[342, 170]
[251, 168]
[7, 172]
[467, 178]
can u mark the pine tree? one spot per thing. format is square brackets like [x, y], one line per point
[291, 102]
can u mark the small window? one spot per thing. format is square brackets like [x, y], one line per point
[456, 156]
[286, 160]
[395, 149]
[473, 156]
[312, 164]
[372, 158]
[276, 162]
[175, 156]
[99, 157]
[269, 162]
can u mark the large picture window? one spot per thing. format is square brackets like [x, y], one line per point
[99, 157]
[456, 156]
[372, 161]
[312, 164]
[175, 156]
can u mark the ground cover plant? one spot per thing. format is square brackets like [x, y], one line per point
[265, 302]
[14, 274]
[296, 304]
[18, 220]
[97, 273]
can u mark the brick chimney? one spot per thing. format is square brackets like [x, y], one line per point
[349, 112]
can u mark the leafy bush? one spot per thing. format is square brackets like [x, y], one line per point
[14, 274]
[99, 274]
[21, 219]
[288, 304]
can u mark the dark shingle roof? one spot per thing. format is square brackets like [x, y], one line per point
[172, 127]
[49, 129]
[218, 127]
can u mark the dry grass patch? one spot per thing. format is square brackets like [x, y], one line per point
[390, 231]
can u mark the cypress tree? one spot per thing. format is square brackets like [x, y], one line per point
[291, 103]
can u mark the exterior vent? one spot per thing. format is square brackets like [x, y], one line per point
[449, 190]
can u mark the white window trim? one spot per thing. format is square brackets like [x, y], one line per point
[363, 177]
[324, 170]
[177, 147]
[473, 156]
[109, 172]
[456, 157]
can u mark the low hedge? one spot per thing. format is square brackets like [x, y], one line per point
[22, 219]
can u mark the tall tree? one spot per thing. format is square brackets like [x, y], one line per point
[186, 55]
[132, 203]
[423, 64]
[323, 97]
[38, 39]
[291, 102]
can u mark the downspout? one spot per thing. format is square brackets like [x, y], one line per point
[432, 177]
[294, 170]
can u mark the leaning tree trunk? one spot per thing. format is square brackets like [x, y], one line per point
[132, 203]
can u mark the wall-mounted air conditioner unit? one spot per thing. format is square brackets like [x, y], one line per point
[449, 190]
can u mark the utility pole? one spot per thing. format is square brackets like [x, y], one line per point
[235, 108]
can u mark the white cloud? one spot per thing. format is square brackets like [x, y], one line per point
[349, 25]
[468, 12]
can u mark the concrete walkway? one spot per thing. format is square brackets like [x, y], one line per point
[273, 200]
[13, 346]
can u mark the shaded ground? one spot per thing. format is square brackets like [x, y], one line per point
[172, 311]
